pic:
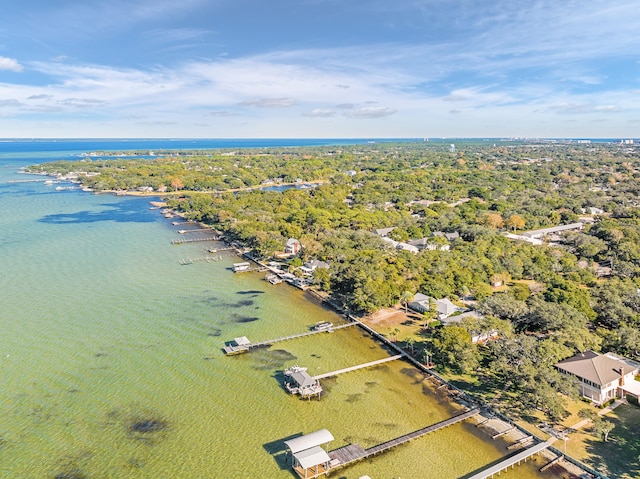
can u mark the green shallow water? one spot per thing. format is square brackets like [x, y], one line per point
[102, 328]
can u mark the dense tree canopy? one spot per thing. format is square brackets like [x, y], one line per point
[577, 291]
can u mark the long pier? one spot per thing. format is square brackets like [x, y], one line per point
[511, 461]
[353, 452]
[196, 240]
[248, 347]
[359, 366]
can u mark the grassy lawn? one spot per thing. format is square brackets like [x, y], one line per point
[618, 457]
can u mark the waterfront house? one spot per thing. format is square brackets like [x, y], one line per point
[444, 307]
[310, 266]
[420, 303]
[602, 377]
[292, 247]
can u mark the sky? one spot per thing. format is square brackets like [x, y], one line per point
[319, 68]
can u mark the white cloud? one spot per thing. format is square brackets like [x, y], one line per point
[9, 103]
[269, 102]
[369, 112]
[320, 113]
[584, 108]
[10, 64]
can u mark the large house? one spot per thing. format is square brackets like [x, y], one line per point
[602, 376]
[444, 307]
[293, 246]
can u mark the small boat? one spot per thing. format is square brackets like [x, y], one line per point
[241, 267]
[273, 279]
[323, 326]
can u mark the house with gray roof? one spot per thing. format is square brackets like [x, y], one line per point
[384, 232]
[602, 376]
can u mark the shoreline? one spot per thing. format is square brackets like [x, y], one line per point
[491, 422]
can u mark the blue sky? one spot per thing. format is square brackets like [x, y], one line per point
[320, 68]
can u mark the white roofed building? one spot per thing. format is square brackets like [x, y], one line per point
[309, 459]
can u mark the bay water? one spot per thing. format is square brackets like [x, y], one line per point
[111, 363]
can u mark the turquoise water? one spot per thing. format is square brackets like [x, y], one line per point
[104, 331]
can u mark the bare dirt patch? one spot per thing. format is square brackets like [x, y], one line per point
[388, 318]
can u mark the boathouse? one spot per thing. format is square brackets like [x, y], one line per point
[298, 381]
[237, 346]
[308, 457]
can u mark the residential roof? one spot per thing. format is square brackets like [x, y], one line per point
[385, 231]
[419, 297]
[309, 441]
[555, 229]
[407, 247]
[315, 263]
[594, 367]
[446, 306]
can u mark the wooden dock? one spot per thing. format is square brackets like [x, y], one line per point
[196, 240]
[550, 464]
[248, 347]
[511, 461]
[359, 366]
[520, 442]
[353, 452]
[502, 433]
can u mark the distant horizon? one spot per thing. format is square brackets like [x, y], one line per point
[373, 138]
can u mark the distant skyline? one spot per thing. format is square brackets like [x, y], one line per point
[319, 69]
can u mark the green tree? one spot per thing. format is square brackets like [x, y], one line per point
[455, 349]
[405, 298]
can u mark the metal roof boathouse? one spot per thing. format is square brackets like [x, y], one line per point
[309, 459]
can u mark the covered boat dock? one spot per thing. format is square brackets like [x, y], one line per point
[309, 459]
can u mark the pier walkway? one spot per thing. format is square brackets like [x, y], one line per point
[359, 366]
[196, 240]
[511, 461]
[353, 452]
[243, 348]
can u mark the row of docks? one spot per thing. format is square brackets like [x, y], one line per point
[310, 460]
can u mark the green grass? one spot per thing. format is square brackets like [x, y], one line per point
[619, 457]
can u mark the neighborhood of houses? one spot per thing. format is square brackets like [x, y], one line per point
[601, 377]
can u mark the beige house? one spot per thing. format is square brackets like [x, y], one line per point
[602, 376]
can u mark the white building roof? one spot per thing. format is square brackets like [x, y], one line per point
[309, 441]
[312, 457]
[633, 388]
[445, 306]
[555, 229]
